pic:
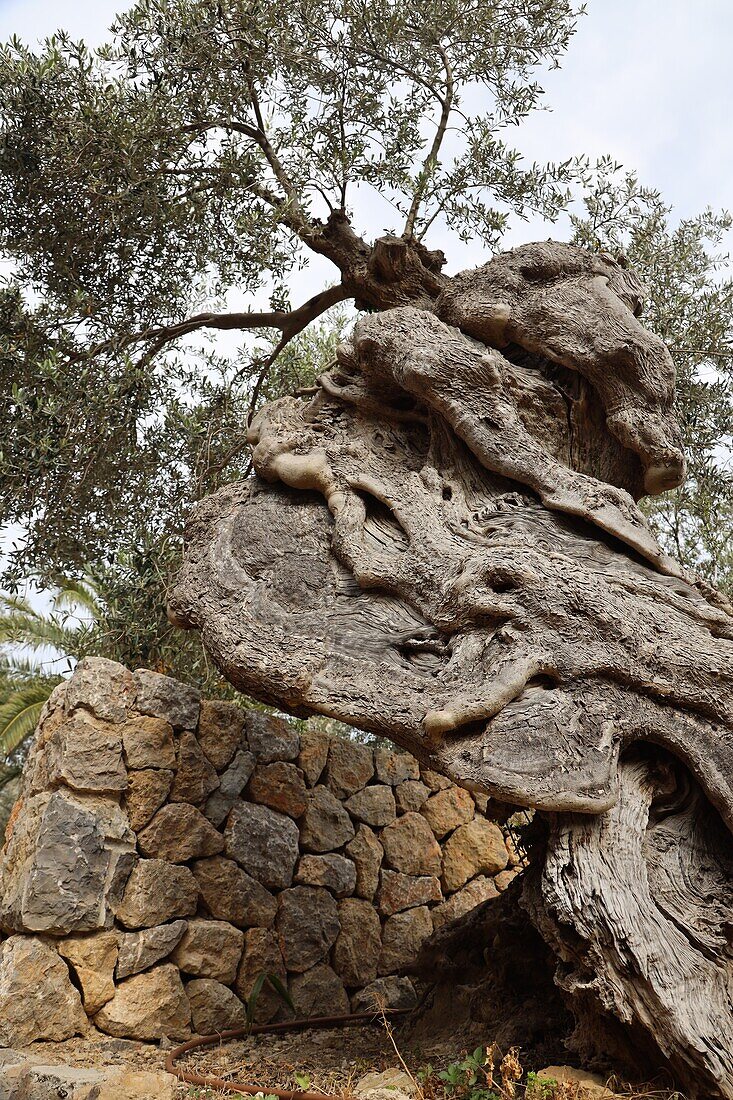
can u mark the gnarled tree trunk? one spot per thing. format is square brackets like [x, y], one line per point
[443, 546]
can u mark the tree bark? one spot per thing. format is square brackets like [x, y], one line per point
[443, 546]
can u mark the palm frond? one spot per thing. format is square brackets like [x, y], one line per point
[77, 595]
[20, 711]
[37, 631]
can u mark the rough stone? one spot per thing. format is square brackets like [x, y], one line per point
[131, 1084]
[350, 767]
[373, 806]
[313, 755]
[477, 848]
[93, 959]
[221, 731]
[262, 955]
[478, 890]
[395, 767]
[448, 809]
[157, 892]
[358, 944]
[402, 937]
[410, 847]
[482, 801]
[232, 783]
[307, 923]
[102, 687]
[210, 949]
[263, 842]
[37, 999]
[148, 743]
[434, 780]
[335, 872]
[86, 755]
[230, 894]
[389, 992]
[140, 950]
[271, 738]
[163, 697]
[410, 796]
[148, 1006]
[398, 891]
[325, 824]
[366, 852]
[179, 832]
[196, 778]
[587, 1086]
[388, 1079]
[28, 1080]
[279, 786]
[318, 992]
[146, 792]
[502, 880]
[214, 1008]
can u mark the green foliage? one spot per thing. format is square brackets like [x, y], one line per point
[540, 1088]
[470, 1077]
[250, 1005]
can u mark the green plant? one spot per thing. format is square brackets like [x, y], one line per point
[540, 1088]
[250, 1005]
[471, 1078]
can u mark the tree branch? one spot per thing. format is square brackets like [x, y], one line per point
[431, 160]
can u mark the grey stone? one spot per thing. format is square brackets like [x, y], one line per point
[102, 687]
[398, 891]
[307, 924]
[146, 792]
[373, 806]
[156, 892]
[141, 950]
[366, 852]
[313, 755]
[148, 1006]
[214, 1008]
[410, 847]
[358, 945]
[86, 755]
[210, 949]
[37, 999]
[389, 992]
[148, 743]
[221, 731]
[395, 767]
[163, 697]
[402, 937]
[262, 955]
[271, 738]
[179, 832]
[335, 872]
[325, 824]
[350, 767]
[411, 795]
[231, 784]
[263, 842]
[230, 894]
[196, 778]
[318, 992]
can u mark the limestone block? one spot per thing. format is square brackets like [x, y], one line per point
[102, 687]
[146, 792]
[410, 796]
[313, 755]
[214, 1008]
[210, 949]
[262, 955]
[93, 959]
[395, 767]
[318, 992]
[366, 852]
[133, 1084]
[389, 992]
[398, 891]
[140, 950]
[325, 824]
[502, 880]
[477, 848]
[307, 923]
[410, 847]
[373, 806]
[434, 780]
[350, 767]
[179, 832]
[478, 890]
[163, 697]
[279, 786]
[358, 944]
[37, 998]
[221, 731]
[402, 936]
[263, 842]
[230, 894]
[196, 778]
[448, 809]
[148, 743]
[157, 892]
[231, 784]
[335, 872]
[148, 1006]
[86, 755]
[271, 738]
[389, 1080]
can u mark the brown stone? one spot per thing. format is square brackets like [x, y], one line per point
[146, 792]
[313, 755]
[93, 959]
[263, 842]
[398, 891]
[389, 992]
[163, 697]
[102, 687]
[358, 944]
[477, 848]
[434, 780]
[474, 893]
[86, 755]
[262, 955]
[502, 880]
[318, 992]
[148, 743]
[335, 872]
[221, 731]
[37, 999]
[214, 1008]
[350, 767]
[148, 1006]
[210, 949]
[141, 950]
[230, 894]
[373, 806]
[402, 937]
[410, 847]
[271, 738]
[157, 892]
[366, 852]
[395, 767]
[410, 796]
[307, 924]
[179, 832]
[326, 824]
[448, 809]
[279, 786]
[196, 778]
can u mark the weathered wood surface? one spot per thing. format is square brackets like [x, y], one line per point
[443, 546]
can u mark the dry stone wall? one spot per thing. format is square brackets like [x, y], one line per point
[166, 851]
